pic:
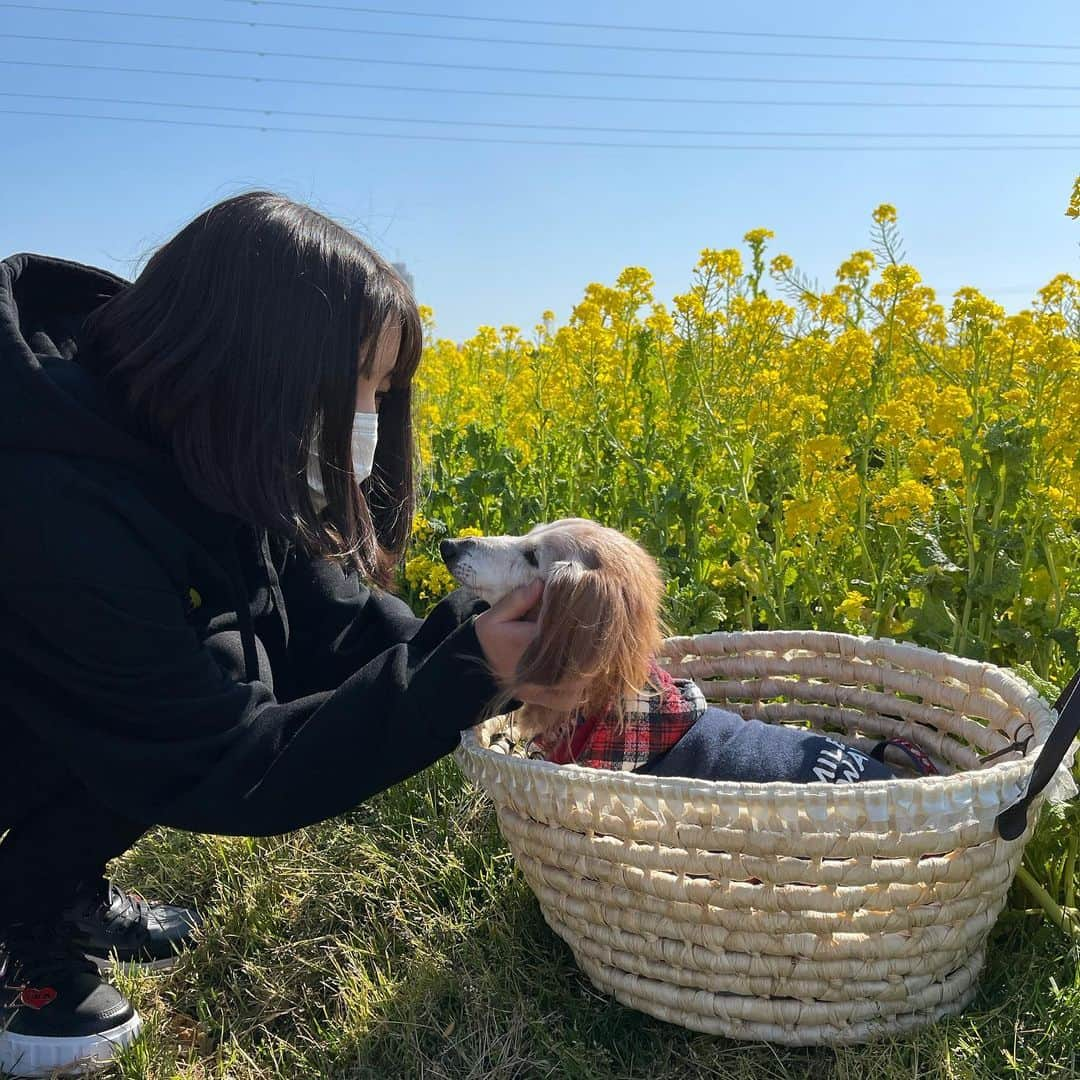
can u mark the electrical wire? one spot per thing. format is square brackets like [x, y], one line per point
[515, 125]
[699, 31]
[518, 70]
[547, 96]
[416, 34]
[518, 142]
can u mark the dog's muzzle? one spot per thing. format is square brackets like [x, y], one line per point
[452, 551]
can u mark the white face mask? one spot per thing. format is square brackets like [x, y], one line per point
[365, 436]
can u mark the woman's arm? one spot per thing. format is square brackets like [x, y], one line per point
[104, 666]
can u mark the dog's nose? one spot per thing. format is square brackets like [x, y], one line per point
[453, 549]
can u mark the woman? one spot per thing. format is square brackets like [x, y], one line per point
[207, 484]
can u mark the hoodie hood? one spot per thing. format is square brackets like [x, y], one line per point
[48, 401]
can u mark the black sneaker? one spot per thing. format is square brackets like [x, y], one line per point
[112, 925]
[55, 1011]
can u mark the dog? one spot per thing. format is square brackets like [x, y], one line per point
[600, 616]
[600, 625]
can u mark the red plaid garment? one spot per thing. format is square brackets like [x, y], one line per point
[654, 722]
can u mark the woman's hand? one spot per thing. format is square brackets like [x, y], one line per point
[505, 631]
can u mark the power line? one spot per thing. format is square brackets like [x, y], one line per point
[511, 142]
[698, 31]
[515, 125]
[787, 55]
[515, 70]
[547, 96]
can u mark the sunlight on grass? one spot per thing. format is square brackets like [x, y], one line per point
[401, 942]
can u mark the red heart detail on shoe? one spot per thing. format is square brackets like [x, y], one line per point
[37, 997]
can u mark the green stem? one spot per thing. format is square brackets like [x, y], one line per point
[960, 638]
[991, 554]
[1070, 872]
[1063, 920]
[869, 569]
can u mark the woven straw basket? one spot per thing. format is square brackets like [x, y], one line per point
[791, 913]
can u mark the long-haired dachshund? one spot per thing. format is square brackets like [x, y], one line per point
[600, 616]
[600, 624]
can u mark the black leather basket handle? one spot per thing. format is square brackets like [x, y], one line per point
[1012, 822]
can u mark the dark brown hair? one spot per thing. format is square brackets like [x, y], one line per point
[241, 341]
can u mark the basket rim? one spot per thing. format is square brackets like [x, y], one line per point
[1002, 772]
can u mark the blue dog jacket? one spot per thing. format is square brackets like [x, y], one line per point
[724, 746]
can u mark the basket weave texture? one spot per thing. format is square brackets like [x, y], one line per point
[789, 913]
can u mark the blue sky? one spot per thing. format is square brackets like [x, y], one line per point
[496, 232]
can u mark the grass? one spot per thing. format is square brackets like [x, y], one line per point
[401, 941]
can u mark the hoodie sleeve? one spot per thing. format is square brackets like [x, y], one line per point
[337, 623]
[113, 676]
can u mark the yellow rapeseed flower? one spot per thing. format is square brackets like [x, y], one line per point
[848, 490]
[803, 516]
[948, 464]
[422, 528]
[831, 308]
[822, 452]
[637, 283]
[836, 534]
[756, 237]
[895, 281]
[969, 303]
[906, 500]
[921, 456]
[900, 417]
[857, 266]
[853, 606]
[660, 322]
[950, 410]
[726, 264]
[416, 569]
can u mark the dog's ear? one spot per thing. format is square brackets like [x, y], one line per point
[570, 628]
[597, 622]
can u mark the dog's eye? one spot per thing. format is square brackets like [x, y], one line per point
[530, 556]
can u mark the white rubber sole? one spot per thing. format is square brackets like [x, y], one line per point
[31, 1056]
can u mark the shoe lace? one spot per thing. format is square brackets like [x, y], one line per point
[122, 905]
[113, 906]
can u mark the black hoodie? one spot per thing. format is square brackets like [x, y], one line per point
[117, 585]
